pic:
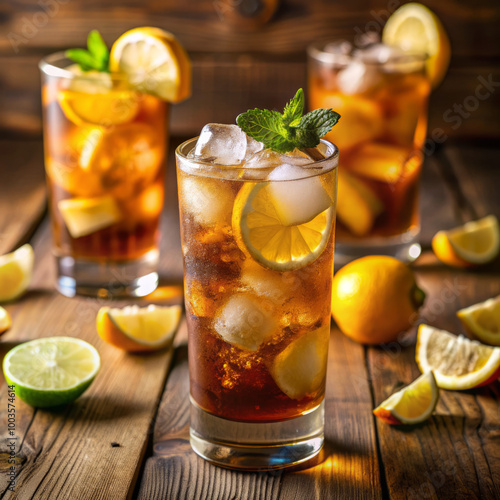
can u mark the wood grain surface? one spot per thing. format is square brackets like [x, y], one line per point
[142, 404]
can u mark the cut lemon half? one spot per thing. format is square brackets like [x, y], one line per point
[84, 216]
[16, 269]
[259, 229]
[415, 28]
[457, 363]
[412, 404]
[154, 62]
[5, 320]
[136, 329]
[113, 107]
[474, 243]
[483, 320]
[51, 371]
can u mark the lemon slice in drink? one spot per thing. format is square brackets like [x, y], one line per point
[412, 404]
[474, 243]
[154, 62]
[84, 216]
[16, 269]
[415, 28]
[51, 371]
[136, 329]
[5, 320]
[483, 320]
[458, 363]
[263, 227]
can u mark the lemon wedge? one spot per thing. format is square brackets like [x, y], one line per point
[84, 216]
[260, 230]
[135, 328]
[483, 320]
[474, 243]
[415, 28]
[154, 62]
[5, 320]
[457, 363]
[16, 269]
[412, 404]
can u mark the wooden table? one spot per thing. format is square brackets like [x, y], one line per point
[141, 402]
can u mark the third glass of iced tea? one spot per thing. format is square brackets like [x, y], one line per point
[258, 239]
[381, 94]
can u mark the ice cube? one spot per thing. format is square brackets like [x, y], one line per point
[89, 82]
[300, 368]
[209, 201]
[358, 77]
[267, 158]
[378, 53]
[245, 321]
[221, 144]
[340, 47]
[253, 147]
[266, 283]
[297, 197]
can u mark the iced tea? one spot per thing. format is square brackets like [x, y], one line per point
[104, 157]
[381, 94]
[258, 262]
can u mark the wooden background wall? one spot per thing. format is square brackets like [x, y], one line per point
[237, 68]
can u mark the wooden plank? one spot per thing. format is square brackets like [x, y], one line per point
[202, 28]
[22, 191]
[454, 454]
[67, 453]
[348, 467]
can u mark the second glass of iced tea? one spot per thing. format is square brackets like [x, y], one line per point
[104, 157]
[381, 95]
[258, 240]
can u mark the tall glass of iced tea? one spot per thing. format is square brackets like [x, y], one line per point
[104, 158]
[381, 94]
[258, 239]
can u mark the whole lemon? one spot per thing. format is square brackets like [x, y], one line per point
[375, 298]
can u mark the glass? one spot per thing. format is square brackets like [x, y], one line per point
[257, 406]
[104, 159]
[383, 106]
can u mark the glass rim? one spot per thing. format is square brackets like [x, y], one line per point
[179, 152]
[50, 67]
[316, 51]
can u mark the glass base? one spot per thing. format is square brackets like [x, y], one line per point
[108, 279]
[256, 446]
[404, 247]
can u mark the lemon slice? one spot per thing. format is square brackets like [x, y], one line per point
[412, 404]
[137, 329]
[300, 368]
[259, 230]
[51, 371]
[5, 320]
[357, 204]
[380, 162]
[415, 28]
[84, 216]
[16, 269]
[113, 107]
[457, 363]
[474, 243]
[483, 320]
[154, 62]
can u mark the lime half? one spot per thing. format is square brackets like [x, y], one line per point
[51, 371]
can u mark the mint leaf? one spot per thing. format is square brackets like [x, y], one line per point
[83, 57]
[95, 58]
[285, 132]
[98, 49]
[266, 126]
[293, 111]
[317, 123]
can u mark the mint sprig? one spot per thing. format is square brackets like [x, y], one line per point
[96, 57]
[283, 132]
